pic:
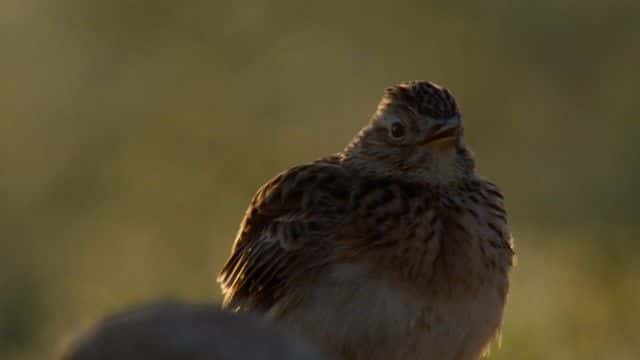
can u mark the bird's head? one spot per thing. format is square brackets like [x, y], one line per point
[416, 132]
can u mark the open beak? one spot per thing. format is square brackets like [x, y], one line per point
[442, 132]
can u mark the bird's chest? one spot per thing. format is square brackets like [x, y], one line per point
[431, 240]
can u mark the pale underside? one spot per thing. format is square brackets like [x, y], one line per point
[354, 315]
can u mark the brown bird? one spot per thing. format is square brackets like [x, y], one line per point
[394, 248]
[177, 331]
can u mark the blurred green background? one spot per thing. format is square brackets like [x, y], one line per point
[133, 134]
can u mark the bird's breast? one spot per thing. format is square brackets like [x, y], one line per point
[420, 275]
[439, 242]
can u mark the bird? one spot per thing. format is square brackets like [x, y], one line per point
[172, 330]
[393, 248]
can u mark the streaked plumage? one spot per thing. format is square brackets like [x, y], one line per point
[394, 248]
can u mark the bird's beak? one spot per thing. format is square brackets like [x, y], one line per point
[441, 132]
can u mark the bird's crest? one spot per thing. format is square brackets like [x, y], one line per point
[424, 97]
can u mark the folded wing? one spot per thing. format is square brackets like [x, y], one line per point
[287, 235]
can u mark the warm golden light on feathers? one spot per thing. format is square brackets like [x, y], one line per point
[394, 248]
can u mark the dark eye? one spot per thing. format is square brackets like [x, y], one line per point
[397, 130]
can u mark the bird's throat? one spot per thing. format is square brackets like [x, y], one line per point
[443, 167]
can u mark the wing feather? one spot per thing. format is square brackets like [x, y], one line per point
[286, 235]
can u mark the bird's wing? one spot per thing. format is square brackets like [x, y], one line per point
[286, 236]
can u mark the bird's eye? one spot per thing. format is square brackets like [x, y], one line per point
[397, 130]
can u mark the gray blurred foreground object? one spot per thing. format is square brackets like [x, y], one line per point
[174, 331]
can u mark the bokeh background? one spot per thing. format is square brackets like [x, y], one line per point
[134, 133]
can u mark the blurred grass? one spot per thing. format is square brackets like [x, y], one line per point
[134, 133]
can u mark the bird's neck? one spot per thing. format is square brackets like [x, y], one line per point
[446, 166]
[443, 169]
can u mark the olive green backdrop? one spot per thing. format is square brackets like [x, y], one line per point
[133, 134]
